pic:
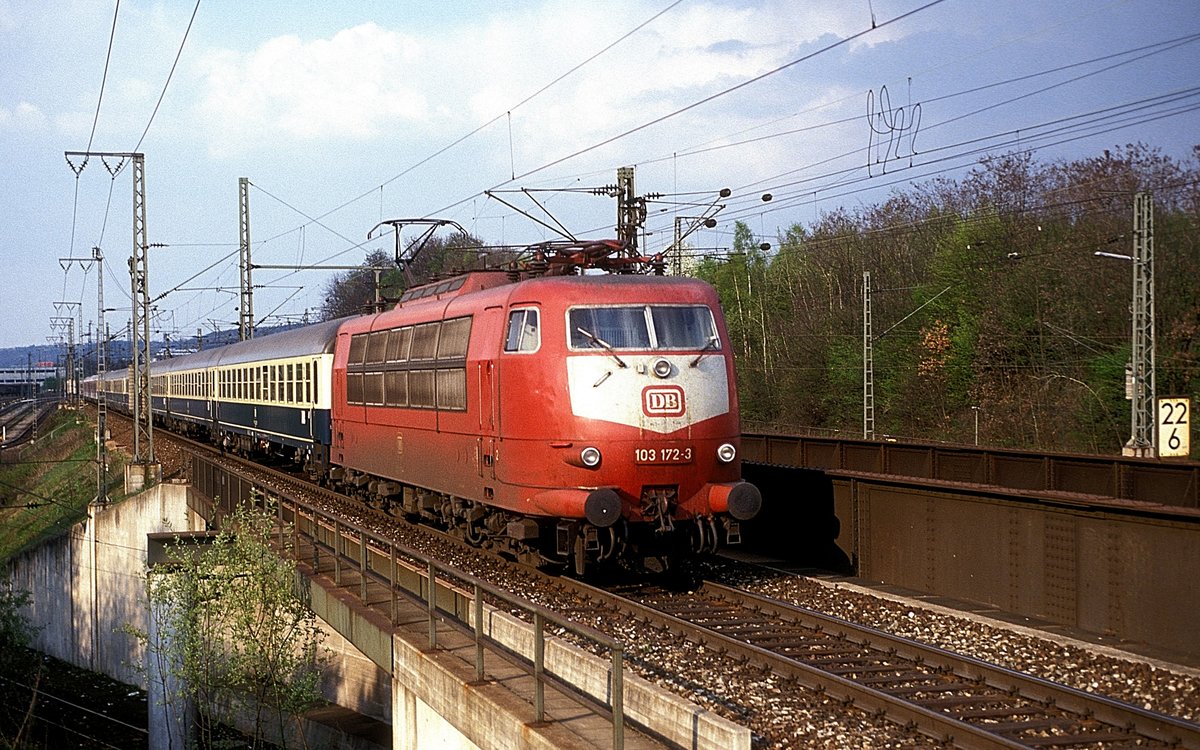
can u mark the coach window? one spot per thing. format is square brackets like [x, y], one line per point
[308, 382]
[291, 384]
[523, 332]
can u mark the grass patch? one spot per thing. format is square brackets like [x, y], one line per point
[45, 487]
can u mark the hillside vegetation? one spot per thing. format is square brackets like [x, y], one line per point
[987, 301]
[46, 487]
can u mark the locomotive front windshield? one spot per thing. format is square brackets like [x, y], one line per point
[654, 327]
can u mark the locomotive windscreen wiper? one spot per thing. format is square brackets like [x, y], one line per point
[597, 341]
[712, 344]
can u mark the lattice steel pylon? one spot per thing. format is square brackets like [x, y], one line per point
[139, 275]
[868, 363]
[1142, 408]
[101, 396]
[246, 308]
[143, 422]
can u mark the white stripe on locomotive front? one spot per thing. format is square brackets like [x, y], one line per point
[601, 389]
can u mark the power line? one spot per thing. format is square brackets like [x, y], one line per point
[95, 119]
[507, 113]
[701, 102]
[1157, 48]
[112, 34]
[169, 75]
[984, 147]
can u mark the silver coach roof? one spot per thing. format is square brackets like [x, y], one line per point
[298, 342]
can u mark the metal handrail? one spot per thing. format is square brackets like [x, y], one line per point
[433, 569]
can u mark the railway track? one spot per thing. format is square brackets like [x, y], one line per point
[20, 420]
[924, 693]
[951, 698]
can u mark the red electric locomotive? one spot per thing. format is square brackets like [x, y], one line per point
[566, 419]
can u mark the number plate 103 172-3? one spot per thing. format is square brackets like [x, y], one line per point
[668, 455]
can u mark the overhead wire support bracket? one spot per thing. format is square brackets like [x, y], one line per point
[558, 227]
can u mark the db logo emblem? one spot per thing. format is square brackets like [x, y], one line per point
[663, 401]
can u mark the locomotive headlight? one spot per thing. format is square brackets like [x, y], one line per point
[590, 456]
[661, 368]
[726, 452]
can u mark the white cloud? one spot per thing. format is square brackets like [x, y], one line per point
[353, 85]
[24, 116]
[369, 81]
[683, 56]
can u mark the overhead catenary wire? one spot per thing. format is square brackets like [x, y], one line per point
[162, 94]
[981, 146]
[698, 103]
[506, 113]
[778, 206]
[1149, 49]
[95, 119]
[170, 75]
[611, 139]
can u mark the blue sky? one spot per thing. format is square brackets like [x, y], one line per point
[346, 106]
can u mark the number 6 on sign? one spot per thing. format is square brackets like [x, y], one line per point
[1174, 427]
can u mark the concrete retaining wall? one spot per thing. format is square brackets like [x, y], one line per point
[88, 584]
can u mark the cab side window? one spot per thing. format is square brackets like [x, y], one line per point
[524, 334]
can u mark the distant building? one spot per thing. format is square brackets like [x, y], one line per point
[17, 380]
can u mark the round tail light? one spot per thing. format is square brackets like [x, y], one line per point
[590, 456]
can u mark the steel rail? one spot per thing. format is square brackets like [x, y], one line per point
[935, 725]
[1169, 730]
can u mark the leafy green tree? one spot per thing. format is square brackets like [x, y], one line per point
[353, 292]
[990, 297]
[235, 632]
